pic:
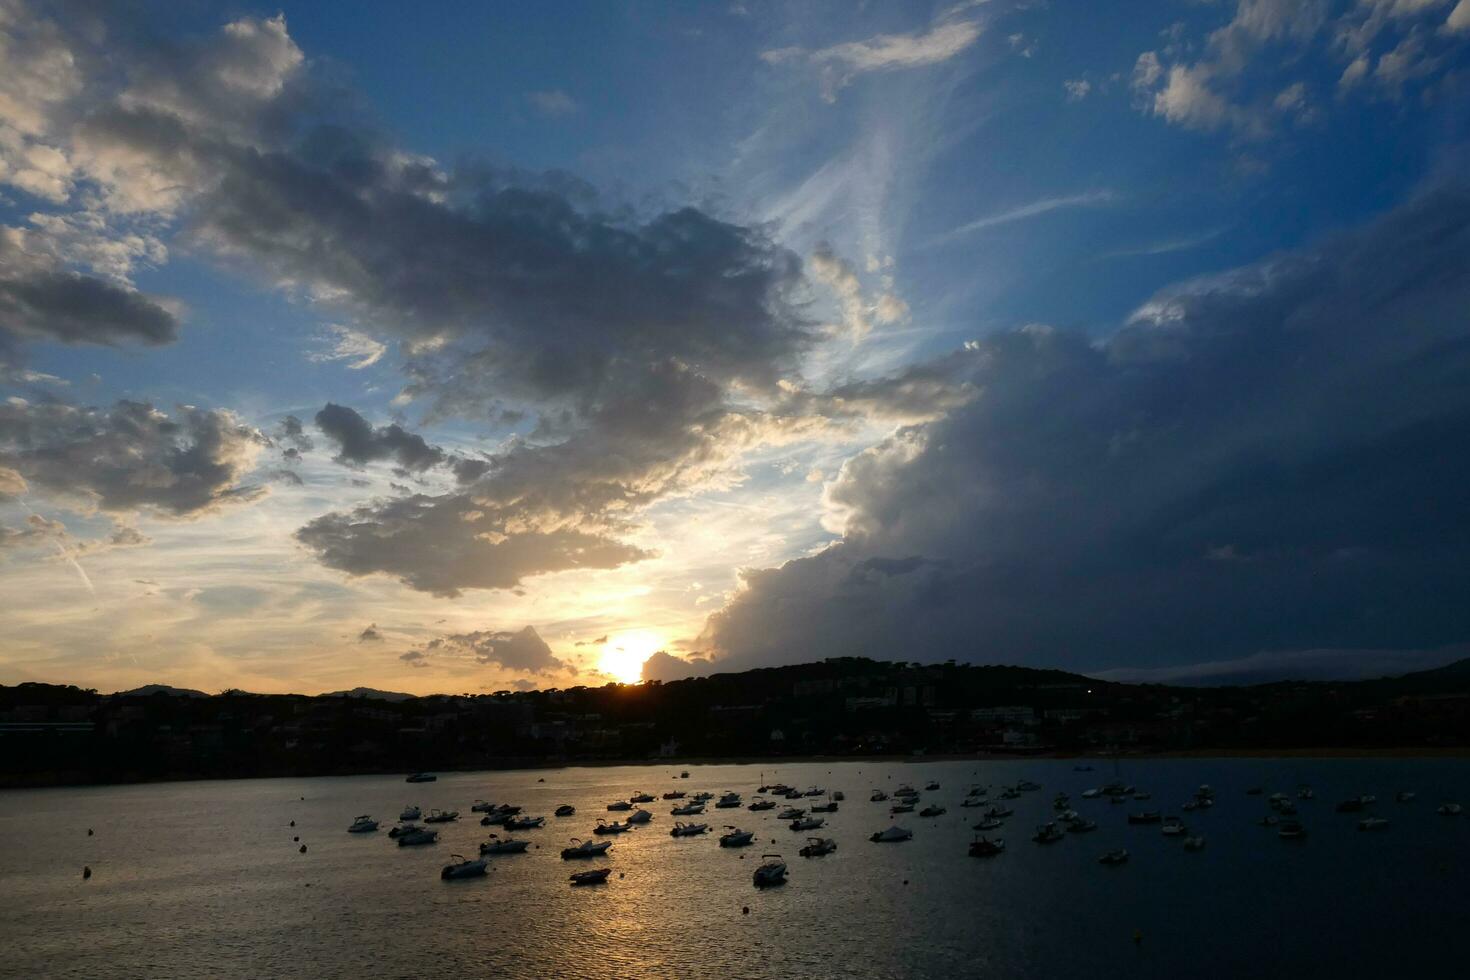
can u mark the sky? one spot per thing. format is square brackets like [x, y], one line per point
[467, 348]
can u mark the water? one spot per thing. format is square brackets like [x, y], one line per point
[204, 880]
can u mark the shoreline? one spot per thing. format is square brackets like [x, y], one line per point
[1312, 752]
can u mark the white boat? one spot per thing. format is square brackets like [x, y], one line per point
[791, 813]
[1373, 823]
[973, 801]
[892, 835]
[1091, 794]
[496, 845]
[702, 797]
[809, 823]
[1080, 826]
[611, 828]
[728, 801]
[441, 816]
[999, 812]
[901, 808]
[463, 868]
[771, 872]
[421, 777]
[1194, 843]
[410, 813]
[818, 846]
[640, 815]
[687, 810]
[363, 825]
[1173, 827]
[989, 823]
[585, 849]
[524, 823]
[1119, 856]
[1449, 809]
[878, 796]
[737, 838]
[682, 829]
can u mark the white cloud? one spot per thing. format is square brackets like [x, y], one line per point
[552, 102]
[1089, 199]
[1077, 89]
[841, 63]
[346, 344]
[1459, 19]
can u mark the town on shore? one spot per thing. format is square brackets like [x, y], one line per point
[840, 707]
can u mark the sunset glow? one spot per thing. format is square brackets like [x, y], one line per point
[624, 653]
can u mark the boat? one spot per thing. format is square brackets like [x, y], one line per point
[702, 797]
[878, 796]
[677, 794]
[441, 816]
[1291, 830]
[829, 807]
[762, 804]
[1067, 816]
[818, 846]
[494, 819]
[463, 868]
[901, 808]
[363, 825]
[1141, 796]
[985, 847]
[791, 813]
[480, 806]
[989, 823]
[1449, 809]
[976, 790]
[525, 823]
[999, 812]
[1061, 802]
[1373, 823]
[410, 813]
[507, 809]
[1027, 786]
[809, 823]
[1405, 796]
[972, 801]
[421, 777]
[1268, 821]
[603, 827]
[496, 845]
[892, 835]
[1010, 793]
[1081, 826]
[565, 810]
[684, 774]
[585, 849]
[682, 829]
[932, 810]
[619, 806]
[772, 871]
[640, 815]
[687, 810]
[1305, 793]
[1091, 794]
[403, 828]
[597, 877]
[1194, 843]
[1173, 827]
[641, 798]
[905, 790]
[1118, 856]
[931, 787]
[737, 837]
[792, 794]
[1145, 816]
[1047, 833]
[421, 835]
[838, 795]
[815, 791]
[728, 802]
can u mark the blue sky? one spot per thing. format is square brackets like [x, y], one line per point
[420, 216]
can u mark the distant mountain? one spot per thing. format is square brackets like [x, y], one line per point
[1460, 668]
[148, 690]
[371, 692]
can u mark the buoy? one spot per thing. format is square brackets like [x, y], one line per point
[86, 872]
[745, 910]
[293, 823]
[295, 839]
[89, 831]
[303, 848]
[905, 881]
[621, 875]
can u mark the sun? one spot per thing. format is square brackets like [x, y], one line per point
[624, 652]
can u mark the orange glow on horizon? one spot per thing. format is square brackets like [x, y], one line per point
[624, 653]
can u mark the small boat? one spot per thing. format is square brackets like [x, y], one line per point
[684, 774]
[1047, 833]
[641, 798]
[1405, 796]
[1027, 786]
[619, 806]
[892, 835]
[1010, 793]
[838, 795]
[1268, 821]
[878, 796]
[1173, 827]
[496, 845]
[1286, 809]
[507, 809]
[728, 802]
[682, 829]
[1067, 816]
[596, 877]
[640, 815]
[1140, 796]
[414, 838]
[410, 813]
[1305, 793]
[363, 825]
[815, 791]
[677, 794]
[818, 846]
[603, 827]
[809, 823]
[1291, 830]
[702, 797]
[463, 868]
[585, 849]
[1194, 843]
[565, 810]
[1373, 823]
[1091, 794]
[1449, 809]
[985, 847]
[1146, 816]
[421, 777]
[762, 804]
[737, 838]
[1081, 826]
[971, 801]
[828, 807]
[791, 813]
[494, 819]
[999, 812]
[772, 871]
[441, 816]
[989, 823]
[404, 828]
[1061, 802]
[480, 806]
[931, 787]
[525, 823]
[1190, 805]
[1118, 856]
[901, 808]
[792, 794]
[932, 810]
[687, 810]
[1368, 798]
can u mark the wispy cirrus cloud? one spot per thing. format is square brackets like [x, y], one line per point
[1024, 211]
[841, 63]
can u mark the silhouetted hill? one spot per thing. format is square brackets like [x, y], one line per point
[371, 692]
[148, 690]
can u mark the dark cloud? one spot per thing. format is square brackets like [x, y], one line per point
[1269, 460]
[523, 651]
[359, 443]
[664, 666]
[294, 435]
[131, 456]
[370, 634]
[593, 643]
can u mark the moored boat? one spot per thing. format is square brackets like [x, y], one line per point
[772, 871]
[585, 849]
[463, 868]
[818, 846]
[596, 877]
[363, 825]
[892, 835]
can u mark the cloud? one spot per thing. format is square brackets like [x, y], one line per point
[1077, 89]
[1302, 416]
[1024, 211]
[359, 443]
[1271, 667]
[132, 456]
[664, 666]
[370, 634]
[552, 102]
[352, 346]
[841, 63]
[522, 651]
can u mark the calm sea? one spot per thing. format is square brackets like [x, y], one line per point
[205, 880]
